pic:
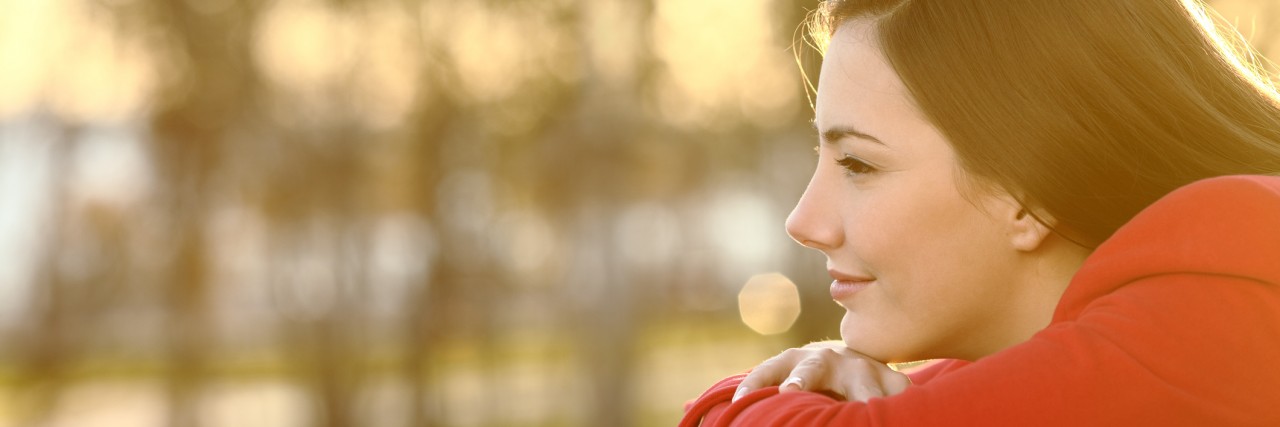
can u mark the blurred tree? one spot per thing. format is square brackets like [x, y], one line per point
[560, 165]
[207, 96]
[49, 346]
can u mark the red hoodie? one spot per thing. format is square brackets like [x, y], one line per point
[1173, 321]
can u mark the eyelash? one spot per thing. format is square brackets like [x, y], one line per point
[854, 166]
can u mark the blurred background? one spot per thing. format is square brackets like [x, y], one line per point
[403, 212]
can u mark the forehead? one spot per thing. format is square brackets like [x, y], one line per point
[856, 82]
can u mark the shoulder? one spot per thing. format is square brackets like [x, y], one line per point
[1206, 223]
[1228, 226]
[1226, 213]
[1232, 195]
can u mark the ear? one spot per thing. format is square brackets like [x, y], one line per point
[1028, 230]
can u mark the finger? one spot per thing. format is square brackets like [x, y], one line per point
[769, 372]
[893, 382]
[865, 390]
[861, 382]
[831, 344]
[807, 375]
[794, 382]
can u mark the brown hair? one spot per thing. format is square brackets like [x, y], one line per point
[1086, 110]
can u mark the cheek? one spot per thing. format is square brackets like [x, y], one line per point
[895, 231]
[925, 246]
[936, 272]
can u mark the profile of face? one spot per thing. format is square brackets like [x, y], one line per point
[925, 264]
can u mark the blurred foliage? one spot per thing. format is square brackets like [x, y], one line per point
[400, 212]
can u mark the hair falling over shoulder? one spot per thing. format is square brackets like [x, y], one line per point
[1087, 110]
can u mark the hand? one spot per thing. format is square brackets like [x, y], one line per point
[826, 366]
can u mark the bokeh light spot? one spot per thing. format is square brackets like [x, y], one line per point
[769, 303]
[722, 66]
[745, 231]
[303, 46]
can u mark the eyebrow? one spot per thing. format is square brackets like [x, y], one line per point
[841, 132]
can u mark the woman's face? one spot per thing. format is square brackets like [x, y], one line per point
[922, 270]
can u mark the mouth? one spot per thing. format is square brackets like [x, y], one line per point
[845, 286]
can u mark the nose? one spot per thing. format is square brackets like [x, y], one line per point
[815, 221]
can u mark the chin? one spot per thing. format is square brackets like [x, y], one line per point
[873, 342]
[879, 342]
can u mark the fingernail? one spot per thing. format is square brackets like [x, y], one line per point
[742, 391]
[795, 381]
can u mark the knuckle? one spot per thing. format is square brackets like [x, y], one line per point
[860, 363]
[864, 390]
[810, 362]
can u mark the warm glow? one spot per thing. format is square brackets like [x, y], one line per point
[722, 56]
[262, 403]
[389, 213]
[1234, 47]
[109, 81]
[327, 62]
[614, 39]
[304, 45]
[61, 54]
[23, 51]
[495, 50]
[769, 303]
[107, 404]
[386, 79]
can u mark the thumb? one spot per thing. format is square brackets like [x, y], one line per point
[894, 382]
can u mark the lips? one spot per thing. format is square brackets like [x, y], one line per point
[845, 286]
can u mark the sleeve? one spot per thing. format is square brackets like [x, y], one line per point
[1160, 352]
[932, 369]
[1175, 321]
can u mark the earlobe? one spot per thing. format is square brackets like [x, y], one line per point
[1029, 230]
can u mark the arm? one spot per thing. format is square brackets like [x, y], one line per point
[826, 366]
[1152, 353]
[1175, 320]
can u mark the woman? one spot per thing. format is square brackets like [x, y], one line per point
[1038, 193]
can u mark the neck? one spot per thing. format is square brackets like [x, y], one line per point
[1047, 273]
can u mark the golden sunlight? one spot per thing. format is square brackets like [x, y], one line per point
[495, 50]
[769, 303]
[303, 45]
[614, 41]
[1226, 33]
[386, 80]
[110, 81]
[729, 64]
[22, 55]
[61, 53]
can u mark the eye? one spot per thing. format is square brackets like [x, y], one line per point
[855, 166]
